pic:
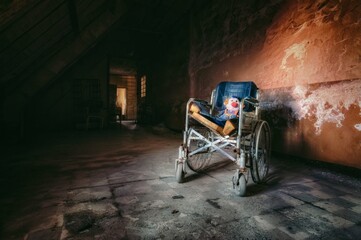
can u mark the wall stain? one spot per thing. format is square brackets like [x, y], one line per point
[325, 103]
[298, 51]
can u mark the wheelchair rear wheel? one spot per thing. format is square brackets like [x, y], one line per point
[201, 159]
[260, 151]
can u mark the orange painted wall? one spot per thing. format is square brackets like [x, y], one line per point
[305, 56]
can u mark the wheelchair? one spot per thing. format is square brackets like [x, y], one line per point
[242, 137]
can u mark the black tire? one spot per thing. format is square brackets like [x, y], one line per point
[260, 151]
[179, 173]
[201, 160]
[240, 185]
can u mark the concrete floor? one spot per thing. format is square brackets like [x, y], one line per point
[119, 184]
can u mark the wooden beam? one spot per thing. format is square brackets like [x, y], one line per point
[73, 14]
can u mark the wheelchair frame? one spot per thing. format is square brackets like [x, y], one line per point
[249, 147]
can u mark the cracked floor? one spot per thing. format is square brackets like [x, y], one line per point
[119, 184]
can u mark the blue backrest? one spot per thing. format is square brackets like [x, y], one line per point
[239, 90]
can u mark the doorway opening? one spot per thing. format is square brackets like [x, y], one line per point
[123, 98]
[121, 104]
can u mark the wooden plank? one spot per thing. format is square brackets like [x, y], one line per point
[204, 121]
[73, 13]
[13, 58]
[91, 13]
[29, 65]
[12, 15]
[27, 22]
[20, 59]
[38, 33]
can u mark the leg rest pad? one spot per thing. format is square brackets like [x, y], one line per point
[209, 124]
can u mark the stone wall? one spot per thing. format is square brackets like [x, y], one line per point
[316, 121]
[305, 56]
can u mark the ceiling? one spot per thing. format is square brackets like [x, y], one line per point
[37, 33]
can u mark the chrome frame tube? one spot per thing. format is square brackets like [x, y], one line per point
[211, 144]
[240, 157]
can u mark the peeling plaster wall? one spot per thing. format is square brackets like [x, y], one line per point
[325, 103]
[305, 56]
[317, 121]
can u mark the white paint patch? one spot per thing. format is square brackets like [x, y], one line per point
[300, 108]
[326, 103]
[358, 126]
[298, 51]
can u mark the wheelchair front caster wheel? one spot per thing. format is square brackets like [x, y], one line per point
[239, 184]
[179, 173]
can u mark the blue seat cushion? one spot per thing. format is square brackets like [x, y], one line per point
[225, 90]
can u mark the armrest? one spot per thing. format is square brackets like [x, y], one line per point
[197, 105]
[252, 101]
[200, 100]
